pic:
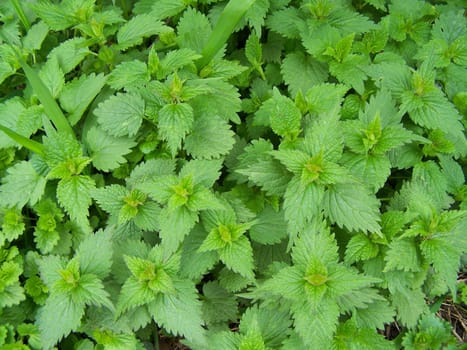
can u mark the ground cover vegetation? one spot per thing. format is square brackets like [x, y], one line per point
[252, 175]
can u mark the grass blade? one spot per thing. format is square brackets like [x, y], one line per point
[224, 27]
[51, 108]
[31, 145]
[21, 15]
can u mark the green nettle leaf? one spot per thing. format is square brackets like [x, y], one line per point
[254, 54]
[58, 307]
[72, 287]
[11, 292]
[232, 174]
[284, 116]
[211, 137]
[403, 255]
[218, 304]
[233, 247]
[302, 72]
[21, 185]
[70, 53]
[76, 96]
[175, 225]
[74, 195]
[121, 114]
[373, 170]
[128, 75]
[52, 76]
[139, 27]
[431, 332]
[314, 283]
[171, 302]
[12, 225]
[351, 206]
[360, 248]
[193, 29]
[175, 121]
[60, 148]
[65, 15]
[107, 152]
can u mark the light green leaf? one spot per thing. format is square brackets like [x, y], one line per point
[324, 97]
[136, 29]
[238, 256]
[302, 204]
[160, 9]
[268, 174]
[294, 160]
[302, 72]
[218, 304]
[60, 148]
[10, 111]
[175, 225]
[351, 71]
[403, 255]
[76, 96]
[21, 185]
[95, 254]
[150, 172]
[35, 36]
[374, 315]
[180, 313]
[193, 29]
[202, 172]
[351, 206]
[410, 305]
[176, 59]
[121, 114]
[147, 217]
[74, 195]
[360, 248]
[373, 170]
[269, 227]
[444, 256]
[211, 137]
[134, 293]
[53, 15]
[316, 325]
[58, 307]
[91, 291]
[193, 262]
[175, 121]
[110, 198]
[254, 53]
[284, 116]
[70, 53]
[128, 75]
[52, 76]
[107, 152]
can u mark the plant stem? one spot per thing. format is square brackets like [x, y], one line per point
[124, 8]
[224, 27]
[31, 145]
[21, 15]
[156, 338]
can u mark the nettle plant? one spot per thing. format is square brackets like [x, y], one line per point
[253, 175]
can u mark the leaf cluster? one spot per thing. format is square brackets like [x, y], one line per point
[252, 175]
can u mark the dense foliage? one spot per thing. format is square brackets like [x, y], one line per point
[270, 174]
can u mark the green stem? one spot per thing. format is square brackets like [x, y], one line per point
[156, 338]
[228, 20]
[31, 145]
[124, 8]
[51, 108]
[21, 15]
